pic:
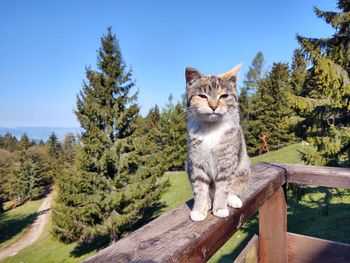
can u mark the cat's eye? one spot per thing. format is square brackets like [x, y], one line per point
[203, 96]
[224, 96]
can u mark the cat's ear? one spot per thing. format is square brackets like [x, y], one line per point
[232, 74]
[192, 74]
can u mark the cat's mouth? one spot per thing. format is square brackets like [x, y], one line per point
[213, 116]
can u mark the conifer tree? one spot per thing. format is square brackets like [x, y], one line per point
[24, 143]
[174, 134]
[69, 148]
[9, 142]
[7, 178]
[273, 109]
[298, 72]
[53, 164]
[254, 74]
[247, 103]
[324, 104]
[54, 147]
[110, 183]
[30, 178]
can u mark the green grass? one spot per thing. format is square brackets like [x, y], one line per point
[46, 249]
[15, 223]
[289, 154]
[179, 191]
[306, 216]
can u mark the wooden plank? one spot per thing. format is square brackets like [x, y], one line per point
[173, 237]
[273, 229]
[304, 249]
[318, 175]
[250, 254]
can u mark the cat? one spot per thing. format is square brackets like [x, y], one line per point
[218, 163]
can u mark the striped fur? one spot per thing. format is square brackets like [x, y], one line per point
[218, 163]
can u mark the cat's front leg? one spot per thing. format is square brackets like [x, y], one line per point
[202, 201]
[220, 208]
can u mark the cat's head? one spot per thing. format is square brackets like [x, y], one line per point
[209, 98]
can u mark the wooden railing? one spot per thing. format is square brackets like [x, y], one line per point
[173, 237]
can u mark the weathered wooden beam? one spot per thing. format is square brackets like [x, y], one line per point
[304, 249]
[173, 237]
[273, 229]
[317, 175]
[250, 254]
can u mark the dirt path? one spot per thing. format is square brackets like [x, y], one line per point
[34, 232]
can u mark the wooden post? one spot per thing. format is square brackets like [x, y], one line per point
[273, 229]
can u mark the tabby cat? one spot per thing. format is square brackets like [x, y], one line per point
[218, 163]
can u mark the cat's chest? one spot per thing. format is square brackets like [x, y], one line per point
[211, 139]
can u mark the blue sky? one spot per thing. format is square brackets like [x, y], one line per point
[45, 46]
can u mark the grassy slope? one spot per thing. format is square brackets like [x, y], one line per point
[47, 249]
[304, 217]
[16, 222]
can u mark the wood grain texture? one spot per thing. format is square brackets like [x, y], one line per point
[317, 175]
[173, 237]
[250, 254]
[304, 249]
[273, 229]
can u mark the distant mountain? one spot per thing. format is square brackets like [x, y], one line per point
[39, 133]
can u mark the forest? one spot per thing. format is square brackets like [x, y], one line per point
[109, 176]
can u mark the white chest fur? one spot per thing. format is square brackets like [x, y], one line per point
[210, 137]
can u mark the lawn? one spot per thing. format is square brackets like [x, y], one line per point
[307, 216]
[45, 250]
[14, 223]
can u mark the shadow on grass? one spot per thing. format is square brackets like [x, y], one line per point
[84, 248]
[251, 228]
[313, 211]
[10, 227]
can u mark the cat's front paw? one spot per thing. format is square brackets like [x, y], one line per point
[221, 212]
[198, 216]
[234, 201]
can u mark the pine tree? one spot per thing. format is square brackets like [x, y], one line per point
[174, 134]
[53, 161]
[30, 178]
[53, 146]
[247, 103]
[273, 109]
[103, 192]
[299, 72]
[9, 142]
[24, 143]
[324, 104]
[6, 176]
[254, 74]
[69, 148]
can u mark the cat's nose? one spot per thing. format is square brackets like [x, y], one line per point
[213, 107]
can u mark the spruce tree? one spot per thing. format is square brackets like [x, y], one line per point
[254, 74]
[273, 109]
[174, 134]
[53, 146]
[30, 177]
[247, 103]
[7, 177]
[9, 142]
[324, 104]
[53, 164]
[110, 184]
[298, 72]
[24, 143]
[69, 148]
